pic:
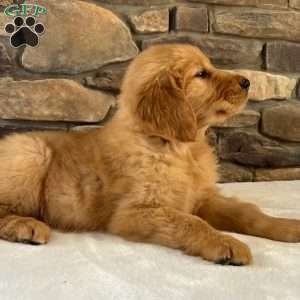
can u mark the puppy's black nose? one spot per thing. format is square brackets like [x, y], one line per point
[245, 83]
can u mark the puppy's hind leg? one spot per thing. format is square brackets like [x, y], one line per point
[24, 161]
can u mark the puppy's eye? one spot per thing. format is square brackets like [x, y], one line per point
[202, 74]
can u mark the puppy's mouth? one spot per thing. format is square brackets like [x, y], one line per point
[236, 98]
[222, 112]
[230, 106]
[236, 101]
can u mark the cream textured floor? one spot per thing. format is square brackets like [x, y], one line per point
[102, 267]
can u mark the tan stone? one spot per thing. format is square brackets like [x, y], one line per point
[277, 174]
[138, 2]
[79, 37]
[5, 3]
[281, 24]
[295, 4]
[53, 99]
[257, 3]
[151, 21]
[268, 86]
[109, 78]
[244, 119]
[3, 21]
[5, 61]
[86, 128]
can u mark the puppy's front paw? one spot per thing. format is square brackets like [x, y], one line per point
[227, 250]
[25, 230]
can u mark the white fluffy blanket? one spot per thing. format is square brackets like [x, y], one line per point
[102, 267]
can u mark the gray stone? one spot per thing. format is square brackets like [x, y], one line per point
[266, 86]
[260, 105]
[191, 19]
[212, 137]
[229, 172]
[256, 3]
[52, 100]
[222, 51]
[156, 20]
[5, 61]
[108, 79]
[66, 49]
[282, 121]
[295, 4]
[246, 118]
[250, 148]
[259, 23]
[283, 57]
[13, 126]
[277, 174]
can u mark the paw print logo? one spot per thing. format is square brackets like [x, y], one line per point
[24, 32]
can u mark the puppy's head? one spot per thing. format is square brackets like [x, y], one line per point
[174, 90]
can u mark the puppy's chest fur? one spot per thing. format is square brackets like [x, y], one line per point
[170, 175]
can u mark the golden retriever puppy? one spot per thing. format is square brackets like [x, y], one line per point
[149, 175]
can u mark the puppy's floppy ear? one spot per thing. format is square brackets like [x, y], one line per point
[163, 109]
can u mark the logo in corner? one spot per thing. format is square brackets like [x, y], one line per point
[24, 30]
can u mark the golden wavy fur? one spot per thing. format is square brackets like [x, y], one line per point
[149, 175]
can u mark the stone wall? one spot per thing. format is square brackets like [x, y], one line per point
[73, 78]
